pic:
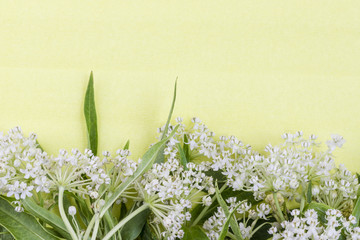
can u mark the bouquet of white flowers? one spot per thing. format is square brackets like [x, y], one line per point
[188, 185]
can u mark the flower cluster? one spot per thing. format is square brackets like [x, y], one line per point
[245, 215]
[192, 163]
[21, 162]
[309, 226]
[170, 191]
[25, 168]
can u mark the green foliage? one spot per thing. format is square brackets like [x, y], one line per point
[21, 225]
[183, 159]
[90, 116]
[194, 232]
[160, 157]
[146, 162]
[132, 229]
[46, 216]
[233, 224]
[356, 212]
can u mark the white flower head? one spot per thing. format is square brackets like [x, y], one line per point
[336, 141]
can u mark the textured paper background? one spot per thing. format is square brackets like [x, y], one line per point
[254, 69]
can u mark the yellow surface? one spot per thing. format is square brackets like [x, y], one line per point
[254, 69]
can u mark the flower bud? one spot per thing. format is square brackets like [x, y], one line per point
[72, 211]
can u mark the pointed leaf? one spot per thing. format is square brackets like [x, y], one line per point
[90, 116]
[356, 212]
[46, 216]
[233, 224]
[309, 193]
[21, 225]
[183, 159]
[186, 147]
[132, 228]
[160, 157]
[127, 145]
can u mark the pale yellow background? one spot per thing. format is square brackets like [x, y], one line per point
[254, 69]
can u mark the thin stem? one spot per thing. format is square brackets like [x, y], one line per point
[278, 207]
[199, 217]
[96, 227]
[63, 215]
[256, 229]
[125, 220]
[232, 236]
[89, 227]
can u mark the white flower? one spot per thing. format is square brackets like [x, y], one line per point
[336, 141]
[206, 200]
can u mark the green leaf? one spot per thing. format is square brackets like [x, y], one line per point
[146, 162]
[233, 223]
[320, 208]
[183, 159]
[186, 147]
[356, 212]
[38, 145]
[133, 228]
[127, 145]
[160, 156]
[194, 232]
[123, 211]
[4, 234]
[309, 193]
[90, 116]
[21, 225]
[46, 216]
[146, 233]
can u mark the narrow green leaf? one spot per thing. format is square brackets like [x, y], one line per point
[38, 145]
[146, 233]
[186, 147]
[356, 212]
[146, 162]
[5, 234]
[183, 159]
[21, 225]
[160, 156]
[132, 228]
[194, 232]
[90, 116]
[309, 193]
[233, 224]
[48, 217]
[127, 145]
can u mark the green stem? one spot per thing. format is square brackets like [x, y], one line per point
[230, 235]
[256, 229]
[109, 220]
[96, 227]
[63, 215]
[89, 227]
[200, 216]
[125, 220]
[280, 213]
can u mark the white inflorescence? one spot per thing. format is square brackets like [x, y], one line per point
[171, 189]
[309, 227]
